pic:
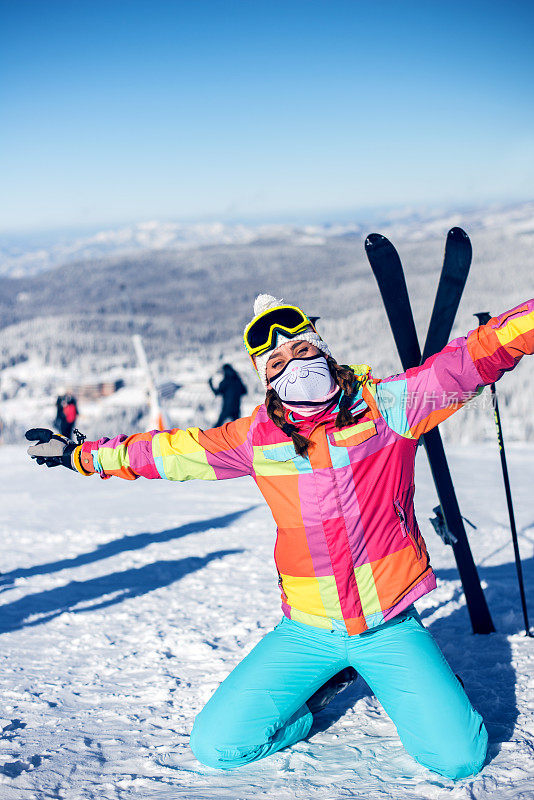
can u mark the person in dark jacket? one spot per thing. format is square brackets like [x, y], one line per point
[70, 412]
[58, 421]
[232, 389]
[66, 413]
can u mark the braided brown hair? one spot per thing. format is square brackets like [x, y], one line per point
[345, 378]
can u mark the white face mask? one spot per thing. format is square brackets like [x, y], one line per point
[304, 380]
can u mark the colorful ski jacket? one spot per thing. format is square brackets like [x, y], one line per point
[348, 550]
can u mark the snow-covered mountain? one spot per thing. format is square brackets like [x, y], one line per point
[72, 325]
[18, 259]
[22, 256]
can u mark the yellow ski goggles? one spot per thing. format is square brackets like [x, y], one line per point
[260, 334]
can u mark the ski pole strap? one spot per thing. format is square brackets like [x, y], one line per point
[80, 437]
[440, 526]
[76, 461]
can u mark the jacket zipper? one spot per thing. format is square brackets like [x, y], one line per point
[406, 532]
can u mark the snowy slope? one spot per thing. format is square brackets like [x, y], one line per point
[122, 611]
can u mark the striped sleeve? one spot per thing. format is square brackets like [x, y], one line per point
[175, 455]
[417, 400]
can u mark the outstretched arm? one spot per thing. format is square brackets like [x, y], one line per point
[176, 455]
[212, 387]
[417, 400]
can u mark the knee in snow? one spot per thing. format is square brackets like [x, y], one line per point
[212, 752]
[463, 759]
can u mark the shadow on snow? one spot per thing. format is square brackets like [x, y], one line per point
[109, 589]
[126, 543]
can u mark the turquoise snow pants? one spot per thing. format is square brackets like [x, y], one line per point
[261, 706]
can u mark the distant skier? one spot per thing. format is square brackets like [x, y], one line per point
[70, 413]
[66, 414]
[232, 390]
[59, 419]
[332, 449]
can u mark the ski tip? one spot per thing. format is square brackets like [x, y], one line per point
[457, 233]
[373, 239]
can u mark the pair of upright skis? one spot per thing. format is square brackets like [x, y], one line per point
[388, 271]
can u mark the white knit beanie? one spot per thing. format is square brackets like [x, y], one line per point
[262, 303]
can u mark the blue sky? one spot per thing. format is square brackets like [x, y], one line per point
[125, 110]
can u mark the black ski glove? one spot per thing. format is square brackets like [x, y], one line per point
[52, 448]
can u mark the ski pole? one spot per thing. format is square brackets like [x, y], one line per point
[483, 317]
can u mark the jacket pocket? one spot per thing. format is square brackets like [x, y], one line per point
[353, 434]
[406, 529]
[279, 459]
[280, 452]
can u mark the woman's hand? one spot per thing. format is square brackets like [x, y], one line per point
[52, 448]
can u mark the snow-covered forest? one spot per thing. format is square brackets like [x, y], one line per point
[188, 290]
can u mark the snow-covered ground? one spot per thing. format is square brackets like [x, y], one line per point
[125, 604]
[30, 254]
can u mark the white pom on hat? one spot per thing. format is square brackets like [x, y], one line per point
[263, 303]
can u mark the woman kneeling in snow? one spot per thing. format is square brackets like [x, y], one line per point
[332, 450]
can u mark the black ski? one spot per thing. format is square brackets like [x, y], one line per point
[388, 271]
[456, 264]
